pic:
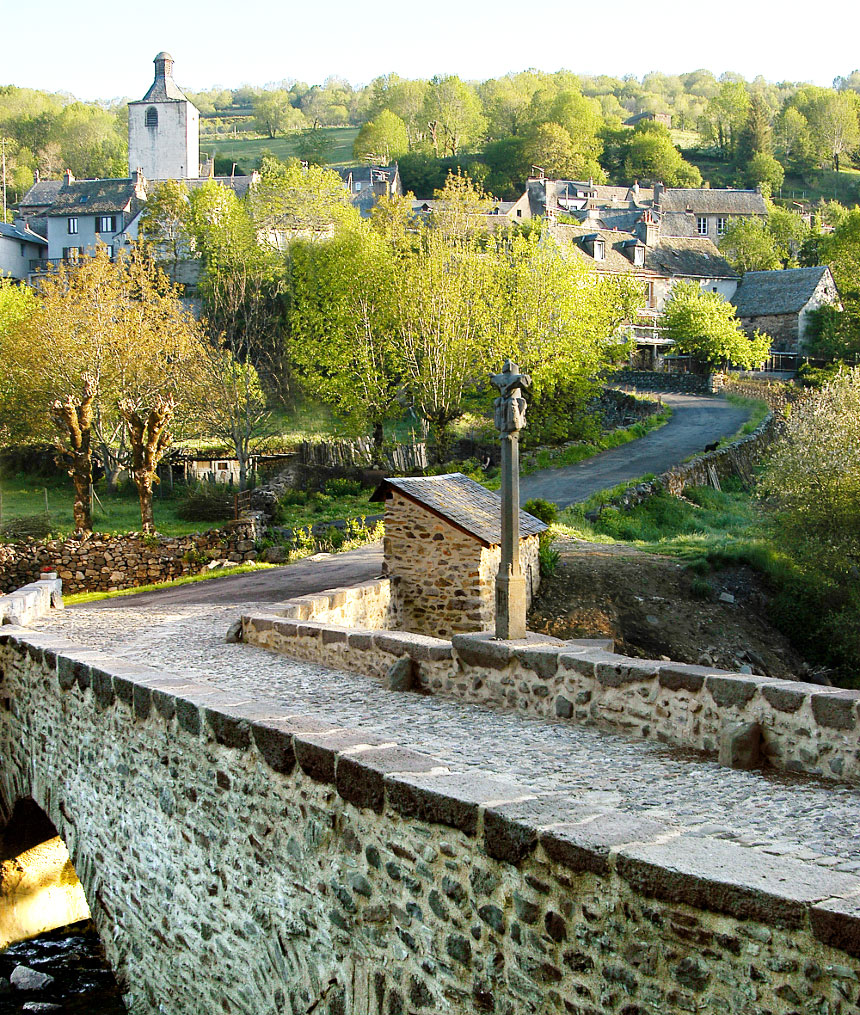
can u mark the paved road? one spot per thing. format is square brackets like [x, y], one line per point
[696, 421]
[270, 585]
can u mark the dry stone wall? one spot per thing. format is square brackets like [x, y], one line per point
[804, 727]
[240, 859]
[107, 563]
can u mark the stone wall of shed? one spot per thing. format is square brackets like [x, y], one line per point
[238, 858]
[782, 328]
[443, 580]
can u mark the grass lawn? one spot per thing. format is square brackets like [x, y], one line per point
[246, 151]
[25, 495]
[326, 507]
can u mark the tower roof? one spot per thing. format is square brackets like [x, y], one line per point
[164, 88]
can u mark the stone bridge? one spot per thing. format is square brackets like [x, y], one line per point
[242, 855]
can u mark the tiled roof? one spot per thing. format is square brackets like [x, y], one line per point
[777, 292]
[707, 201]
[93, 197]
[614, 242]
[41, 194]
[463, 502]
[23, 235]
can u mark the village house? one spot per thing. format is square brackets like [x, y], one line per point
[19, 246]
[703, 211]
[779, 303]
[664, 118]
[366, 184]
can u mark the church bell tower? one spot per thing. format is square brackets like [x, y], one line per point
[164, 129]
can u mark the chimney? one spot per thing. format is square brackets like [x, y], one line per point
[139, 181]
[68, 177]
[647, 230]
[36, 176]
[635, 188]
[658, 193]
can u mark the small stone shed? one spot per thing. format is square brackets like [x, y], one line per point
[779, 303]
[442, 551]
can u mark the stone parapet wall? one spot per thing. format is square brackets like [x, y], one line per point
[804, 727]
[367, 605]
[298, 867]
[31, 602]
[107, 563]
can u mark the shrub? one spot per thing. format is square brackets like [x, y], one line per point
[544, 510]
[342, 486]
[292, 497]
[548, 558]
[205, 502]
[26, 526]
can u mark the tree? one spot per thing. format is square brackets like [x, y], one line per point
[756, 137]
[381, 140]
[453, 114]
[793, 139]
[650, 154]
[275, 114]
[833, 121]
[343, 322]
[725, 117]
[704, 325]
[314, 146]
[148, 438]
[750, 246]
[764, 170]
[73, 419]
[165, 223]
[550, 146]
[121, 324]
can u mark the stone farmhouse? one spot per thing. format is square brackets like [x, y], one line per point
[690, 211]
[780, 302]
[366, 184]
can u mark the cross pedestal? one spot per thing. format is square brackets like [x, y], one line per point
[510, 411]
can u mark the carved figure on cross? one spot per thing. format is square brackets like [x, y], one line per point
[509, 409]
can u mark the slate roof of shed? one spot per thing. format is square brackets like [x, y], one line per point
[93, 197]
[22, 234]
[777, 292]
[716, 201]
[462, 502]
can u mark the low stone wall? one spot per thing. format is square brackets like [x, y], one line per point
[804, 727]
[31, 602]
[367, 605]
[654, 380]
[735, 459]
[107, 563]
[240, 859]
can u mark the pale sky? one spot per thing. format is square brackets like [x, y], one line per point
[101, 49]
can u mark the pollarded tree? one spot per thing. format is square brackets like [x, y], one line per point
[73, 418]
[148, 431]
[703, 325]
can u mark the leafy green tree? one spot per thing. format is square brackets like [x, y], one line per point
[383, 140]
[165, 223]
[793, 139]
[704, 325]
[651, 154]
[314, 146]
[764, 170]
[275, 114]
[453, 114]
[550, 147]
[750, 246]
[756, 138]
[725, 117]
[404, 99]
[343, 324]
[832, 116]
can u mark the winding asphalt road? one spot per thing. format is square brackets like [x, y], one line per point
[696, 421]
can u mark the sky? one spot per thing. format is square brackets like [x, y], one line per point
[256, 42]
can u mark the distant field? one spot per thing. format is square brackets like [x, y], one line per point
[246, 151]
[843, 186]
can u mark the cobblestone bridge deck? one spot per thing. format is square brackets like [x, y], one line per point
[792, 816]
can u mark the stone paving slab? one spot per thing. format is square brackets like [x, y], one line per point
[794, 817]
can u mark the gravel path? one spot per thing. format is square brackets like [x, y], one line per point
[810, 820]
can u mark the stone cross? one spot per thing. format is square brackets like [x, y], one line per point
[510, 418]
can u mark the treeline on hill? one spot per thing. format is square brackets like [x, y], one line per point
[737, 132]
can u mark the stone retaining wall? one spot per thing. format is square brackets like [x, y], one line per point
[804, 727]
[241, 859]
[107, 563]
[653, 380]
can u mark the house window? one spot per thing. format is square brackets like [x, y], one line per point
[152, 117]
[702, 225]
[651, 296]
[105, 223]
[638, 256]
[519, 213]
[71, 226]
[109, 249]
[722, 223]
[599, 250]
[72, 254]
[23, 250]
